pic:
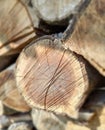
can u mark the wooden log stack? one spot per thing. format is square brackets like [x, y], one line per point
[52, 56]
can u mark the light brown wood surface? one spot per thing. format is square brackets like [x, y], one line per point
[95, 103]
[88, 38]
[54, 78]
[54, 11]
[9, 93]
[16, 28]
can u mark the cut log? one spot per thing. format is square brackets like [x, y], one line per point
[16, 28]
[95, 102]
[54, 12]
[89, 35]
[44, 120]
[35, 20]
[21, 126]
[9, 93]
[54, 78]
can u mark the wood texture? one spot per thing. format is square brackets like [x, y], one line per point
[95, 103]
[16, 28]
[54, 78]
[89, 35]
[9, 93]
[54, 11]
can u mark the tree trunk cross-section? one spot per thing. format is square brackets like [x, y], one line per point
[54, 78]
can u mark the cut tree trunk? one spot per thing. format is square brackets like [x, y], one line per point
[16, 28]
[88, 37]
[56, 11]
[54, 16]
[9, 93]
[54, 78]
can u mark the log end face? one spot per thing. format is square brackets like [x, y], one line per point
[49, 77]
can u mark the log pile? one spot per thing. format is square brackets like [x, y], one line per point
[52, 63]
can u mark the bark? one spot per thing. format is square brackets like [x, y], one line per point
[54, 78]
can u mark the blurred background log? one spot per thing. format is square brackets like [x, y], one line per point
[9, 93]
[54, 78]
[89, 35]
[56, 11]
[95, 103]
[16, 28]
[53, 16]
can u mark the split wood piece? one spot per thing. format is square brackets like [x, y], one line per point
[88, 38]
[16, 29]
[56, 11]
[44, 120]
[53, 78]
[96, 102]
[32, 13]
[5, 61]
[9, 93]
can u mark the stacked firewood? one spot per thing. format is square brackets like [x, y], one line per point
[52, 63]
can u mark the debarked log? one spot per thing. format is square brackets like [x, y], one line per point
[54, 78]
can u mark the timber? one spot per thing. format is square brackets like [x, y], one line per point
[54, 78]
[88, 35]
[95, 104]
[54, 11]
[62, 62]
[16, 29]
[9, 93]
